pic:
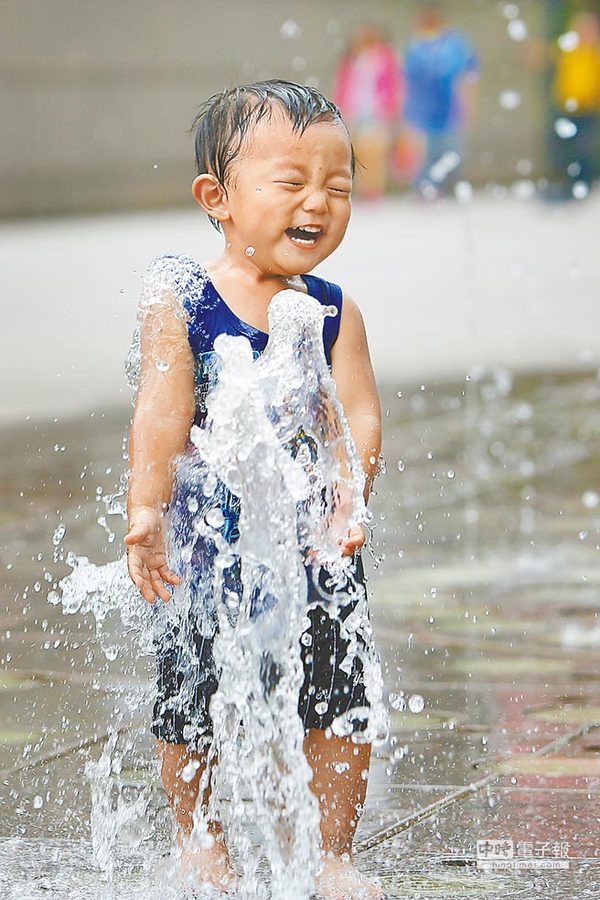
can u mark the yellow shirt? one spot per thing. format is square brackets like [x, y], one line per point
[577, 78]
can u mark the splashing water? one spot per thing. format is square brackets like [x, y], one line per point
[275, 439]
[114, 818]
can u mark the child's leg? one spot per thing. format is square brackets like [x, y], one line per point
[340, 772]
[182, 792]
[208, 863]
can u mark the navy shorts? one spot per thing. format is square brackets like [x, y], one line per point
[182, 716]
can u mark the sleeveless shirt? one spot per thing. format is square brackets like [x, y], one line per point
[209, 315]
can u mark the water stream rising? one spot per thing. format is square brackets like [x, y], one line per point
[276, 441]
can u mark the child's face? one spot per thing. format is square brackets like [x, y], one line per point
[284, 181]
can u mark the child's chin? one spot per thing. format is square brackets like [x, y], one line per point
[288, 271]
[302, 266]
[299, 263]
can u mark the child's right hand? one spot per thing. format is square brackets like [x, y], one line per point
[146, 557]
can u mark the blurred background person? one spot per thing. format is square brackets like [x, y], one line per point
[368, 90]
[576, 95]
[441, 69]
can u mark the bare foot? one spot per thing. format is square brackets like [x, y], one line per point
[209, 865]
[339, 879]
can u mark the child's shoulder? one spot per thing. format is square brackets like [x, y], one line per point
[175, 273]
[172, 267]
[328, 292]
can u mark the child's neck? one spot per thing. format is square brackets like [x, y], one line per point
[247, 290]
[244, 272]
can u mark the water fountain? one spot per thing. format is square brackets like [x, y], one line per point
[294, 505]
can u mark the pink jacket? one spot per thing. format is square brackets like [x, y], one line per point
[372, 77]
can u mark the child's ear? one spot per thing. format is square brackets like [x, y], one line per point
[211, 196]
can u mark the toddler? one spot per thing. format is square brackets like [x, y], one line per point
[275, 172]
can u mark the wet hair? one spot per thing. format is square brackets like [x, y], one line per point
[224, 120]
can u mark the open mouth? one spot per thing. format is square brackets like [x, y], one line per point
[307, 236]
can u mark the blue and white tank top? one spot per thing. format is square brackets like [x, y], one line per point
[209, 315]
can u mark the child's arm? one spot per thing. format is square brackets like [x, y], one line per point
[160, 430]
[357, 392]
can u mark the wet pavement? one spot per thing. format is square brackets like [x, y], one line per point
[486, 609]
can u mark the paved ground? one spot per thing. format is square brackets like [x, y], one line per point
[444, 288]
[486, 606]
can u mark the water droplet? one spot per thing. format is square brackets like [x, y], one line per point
[397, 701]
[111, 652]
[250, 251]
[511, 10]
[306, 639]
[580, 190]
[189, 770]
[463, 191]
[340, 767]
[58, 535]
[321, 707]
[574, 169]
[192, 504]
[517, 30]
[155, 166]
[330, 311]
[590, 499]
[510, 99]
[214, 517]
[524, 167]
[290, 29]
[523, 189]
[568, 41]
[210, 484]
[162, 365]
[186, 554]
[565, 128]
[441, 168]
[38, 802]
[416, 703]
[401, 465]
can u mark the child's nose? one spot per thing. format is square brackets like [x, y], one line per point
[316, 200]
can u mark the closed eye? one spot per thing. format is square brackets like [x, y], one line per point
[339, 190]
[293, 184]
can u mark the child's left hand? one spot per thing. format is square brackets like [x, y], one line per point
[353, 540]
